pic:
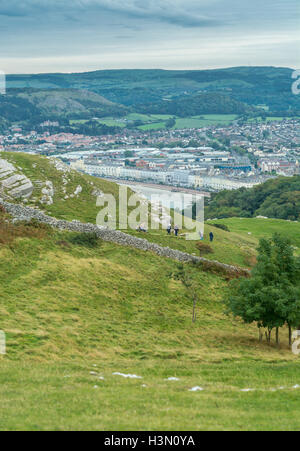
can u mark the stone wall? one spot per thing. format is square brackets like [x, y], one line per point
[21, 213]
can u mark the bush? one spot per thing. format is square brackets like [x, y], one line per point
[204, 248]
[224, 272]
[221, 226]
[10, 232]
[35, 224]
[85, 239]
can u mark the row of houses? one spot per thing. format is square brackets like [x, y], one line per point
[176, 178]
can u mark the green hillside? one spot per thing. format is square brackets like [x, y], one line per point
[75, 313]
[206, 103]
[66, 308]
[66, 205]
[277, 198]
[30, 107]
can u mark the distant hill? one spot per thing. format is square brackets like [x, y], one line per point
[269, 87]
[277, 198]
[208, 103]
[35, 105]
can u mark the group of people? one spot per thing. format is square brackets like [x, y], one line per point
[211, 236]
[143, 228]
[176, 229]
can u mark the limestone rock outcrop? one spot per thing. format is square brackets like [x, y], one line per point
[13, 184]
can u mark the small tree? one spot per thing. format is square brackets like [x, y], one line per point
[271, 298]
[182, 275]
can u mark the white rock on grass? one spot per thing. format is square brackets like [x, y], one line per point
[127, 376]
[78, 190]
[48, 193]
[59, 165]
[172, 379]
[196, 389]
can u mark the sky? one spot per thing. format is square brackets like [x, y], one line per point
[38, 36]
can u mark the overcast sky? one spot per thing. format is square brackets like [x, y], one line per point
[83, 35]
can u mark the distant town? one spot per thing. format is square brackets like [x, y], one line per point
[212, 158]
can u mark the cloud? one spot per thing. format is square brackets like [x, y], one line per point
[185, 13]
[90, 34]
[172, 11]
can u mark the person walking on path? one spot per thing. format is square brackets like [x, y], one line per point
[211, 237]
[169, 229]
[176, 230]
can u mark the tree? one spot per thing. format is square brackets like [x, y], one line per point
[170, 123]
[186, 280]
[271, 297]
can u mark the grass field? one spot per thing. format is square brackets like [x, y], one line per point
[205, 121]
[68, 311]
[109, 121]
[159, 121]
[271, 119]
[153, 126]
[262, 228]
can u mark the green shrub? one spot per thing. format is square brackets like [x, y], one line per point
[204, 248]
[85, 239]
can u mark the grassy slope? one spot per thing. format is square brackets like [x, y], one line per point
[264, 228]
[82, 207]
[230, 248]
[237, 247]
[67, 309]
